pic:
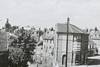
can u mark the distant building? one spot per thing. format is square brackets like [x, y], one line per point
[7, 25]
[77, 45]
[92, 48]
[48, 45]
[94, 35]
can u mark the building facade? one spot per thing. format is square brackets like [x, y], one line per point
[77, 45]
[48, 44]
[54, 45]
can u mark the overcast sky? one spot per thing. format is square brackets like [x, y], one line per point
[83, 13]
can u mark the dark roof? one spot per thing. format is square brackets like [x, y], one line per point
[62, 28]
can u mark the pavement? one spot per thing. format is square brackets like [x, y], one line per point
[40, 65]
[72, 66]
[87, 66]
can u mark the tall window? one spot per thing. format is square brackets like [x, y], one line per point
[63, 59]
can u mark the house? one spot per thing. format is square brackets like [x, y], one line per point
[48, 45]
[77, 45]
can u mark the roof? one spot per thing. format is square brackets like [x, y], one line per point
[95, 35]
[48, 36]
[62, 28]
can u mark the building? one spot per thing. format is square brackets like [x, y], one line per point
[92, 48]
[77, 45]
[48, 46]
[3, 49]
[54, 45]
[94, 35]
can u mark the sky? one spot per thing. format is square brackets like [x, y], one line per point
[46, 13]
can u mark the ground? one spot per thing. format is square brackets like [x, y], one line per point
[92, 62]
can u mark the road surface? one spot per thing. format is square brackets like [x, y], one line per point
[91, 62]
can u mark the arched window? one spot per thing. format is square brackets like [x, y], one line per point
[63, 59]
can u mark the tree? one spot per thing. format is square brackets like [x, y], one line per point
[96, 29]
[14, 27]
[52, 29]
[17, 57]
[21, 50]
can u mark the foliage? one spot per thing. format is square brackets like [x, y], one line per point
[14, 27]
[21, 49]
[16, 56]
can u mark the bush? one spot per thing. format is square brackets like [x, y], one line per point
[17, 58]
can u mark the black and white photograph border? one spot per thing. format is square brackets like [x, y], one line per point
[49, 33]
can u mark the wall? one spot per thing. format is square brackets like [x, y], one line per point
[61, 49]
[77, 49]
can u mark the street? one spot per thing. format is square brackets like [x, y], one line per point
[91, 62]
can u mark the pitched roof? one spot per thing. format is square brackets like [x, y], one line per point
[62, 28]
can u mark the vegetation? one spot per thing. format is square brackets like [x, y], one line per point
[21, 49]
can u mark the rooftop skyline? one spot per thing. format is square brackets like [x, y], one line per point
[46, 13]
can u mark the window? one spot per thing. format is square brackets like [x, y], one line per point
[63, 59]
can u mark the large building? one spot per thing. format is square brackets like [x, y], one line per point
[77, 45]
[54, 44]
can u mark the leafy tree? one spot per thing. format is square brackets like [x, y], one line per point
[20, 50]
[16, 57]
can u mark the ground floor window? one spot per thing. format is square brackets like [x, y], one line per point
[63, 59]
